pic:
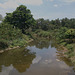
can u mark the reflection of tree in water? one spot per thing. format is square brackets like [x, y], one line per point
[44, 43]
[54, 43]
[20, 59]
[40, 43]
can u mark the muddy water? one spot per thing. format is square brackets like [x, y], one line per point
[40, 57]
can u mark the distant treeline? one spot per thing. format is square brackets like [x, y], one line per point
[54, 24]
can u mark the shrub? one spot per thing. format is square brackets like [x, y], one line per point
[44, 34]
[70, 34]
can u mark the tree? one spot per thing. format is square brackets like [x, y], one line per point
[42, 24]
[21, 18]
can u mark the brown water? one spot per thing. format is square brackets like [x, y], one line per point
[40, 57]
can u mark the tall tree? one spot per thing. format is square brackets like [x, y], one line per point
[21, 18]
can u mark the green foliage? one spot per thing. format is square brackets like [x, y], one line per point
[43, 34]
[70, 52]
[42, 24]
[7, 32]
[54, 24]
[13, 25]
[60, 33]
[63, 43]
[21, 18]
[10, 37]
[70, 34]
[18, 42]
[3, 44]
[69, 23]
[70, 47]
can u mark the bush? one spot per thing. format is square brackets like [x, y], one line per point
[7, 32]
[63, 43]
[60, 33]
[70, 34]
[43, 34]
[70, 47]
[18, 42]
[3, 45]
[11, 36]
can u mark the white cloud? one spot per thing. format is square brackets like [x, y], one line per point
[68, 1]
[6, 71]
[55, 5]
[15, 3]
[37, 59]
[9, 4]
[30, 2]
[50, 0]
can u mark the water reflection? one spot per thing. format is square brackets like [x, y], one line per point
[46, 43]
[40, 43]
[42, 56]
[21, 59]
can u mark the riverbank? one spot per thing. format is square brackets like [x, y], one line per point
[7, 49]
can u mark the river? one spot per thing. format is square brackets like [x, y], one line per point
[40, 57]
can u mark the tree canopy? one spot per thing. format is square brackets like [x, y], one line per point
[70, 34]
[21, 18]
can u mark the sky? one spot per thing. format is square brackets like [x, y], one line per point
[47, 9]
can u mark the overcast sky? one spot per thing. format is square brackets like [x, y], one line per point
[48, 9]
